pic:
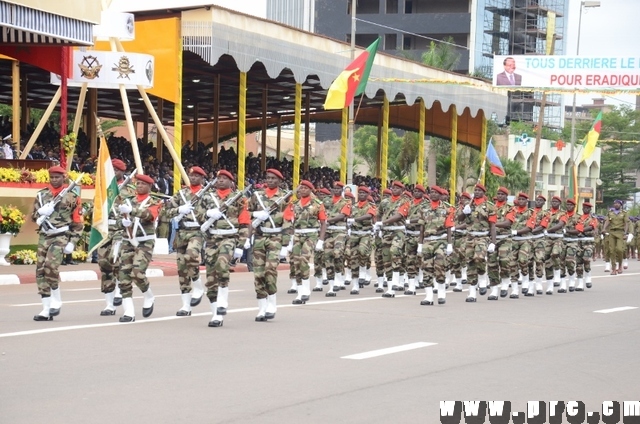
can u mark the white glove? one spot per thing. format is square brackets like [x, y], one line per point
[247, 244]
[237, 253]
[453, 229]
[408, 222]
[466, 210]
[514, 232]
[68, 248]
[377, 226]
[185, 209]
[546, 233]
[126, 222]
[449, 249]
[319, 245]
[629, 238]
[261, 215]
[419, 252]
[46, 210]
[601, 236]
[491, 248]
[124, 208]
[283, 252]
[214, 213]
[290, 246]
[351, 221]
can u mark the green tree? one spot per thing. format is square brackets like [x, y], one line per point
[365, 145]
[442, 55]
[517, 178]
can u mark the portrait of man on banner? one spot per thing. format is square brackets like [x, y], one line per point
[508, 76]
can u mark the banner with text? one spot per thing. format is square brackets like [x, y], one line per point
[591, 73]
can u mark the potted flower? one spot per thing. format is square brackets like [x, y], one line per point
[11, 220]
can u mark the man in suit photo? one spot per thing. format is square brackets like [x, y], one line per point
[508, 76]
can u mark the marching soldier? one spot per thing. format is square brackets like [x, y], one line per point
[226, 228]
[377, 248]
[570, 251]
[139, 217]
[435, 242]
[597, 239]
[412, 237]
[481, 219]
[57, 212]
[524, 223]
[538, 246]
[267, 207]
[459, 241]
[360, 223]
[319, 269]
[390, 219]
[109, 252]
[554, 244]
[309, 220]
[334, 248]
[500, 263]
[586, 228]
[188, 241]
[616, 227]
[636, 237]
[347, 250]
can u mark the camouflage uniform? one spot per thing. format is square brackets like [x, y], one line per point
[538, 247]
[457, 265]
[479, 224]
[500, 263]
[335, 243]
[306, 217]
[135, 259]
[269, 237]
[221, 239]
[436, 219]
[392, 240]
[570, 251]
[319, 269]
[411, 241]
[588, 227]
[553, 247]
[63, 226]
[522, 245]
[360, 242]
[616, 226]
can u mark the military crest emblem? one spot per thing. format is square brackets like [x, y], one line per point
[90, 67]
[123, 67]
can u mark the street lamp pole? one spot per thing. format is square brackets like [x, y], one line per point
[583, 4]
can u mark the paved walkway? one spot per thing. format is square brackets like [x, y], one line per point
[161, 266]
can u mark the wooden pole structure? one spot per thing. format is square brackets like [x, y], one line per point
[385, 143]
[263, 157]
[344, 144]
[216, 119]
[76, 122]
[423, 113]
[242, 129]
[307, 130]
[92, 125]
[43, 121]
[279, 138]
[296, 135]
[454, 155]
[24, 106]
[15, 102]
[160, 116]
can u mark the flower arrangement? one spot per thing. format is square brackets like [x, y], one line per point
[69, 143]
[11, 219]
[23, 257]
[11, 175]
[79, 255]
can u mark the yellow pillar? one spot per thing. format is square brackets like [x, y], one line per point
[15, 103]
[297, 125]
[343, 144]
[242, 128]
[483, 144]
[454, 154]
[177, 128]
[385, 142]
[423, 114]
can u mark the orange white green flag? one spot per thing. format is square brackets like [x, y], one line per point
[352, 81]
[106, 191]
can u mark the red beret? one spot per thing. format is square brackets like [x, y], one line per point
[571, 201]
[198, 170]
[420, 187]
[525, 195]
[540, 196]
[503, 190]
[307, 184]
[349, 195]
[225, 173]
[386, 191]
[118, 164]
[481, 187]
[370, 199]
[275, 172]
[587, 205]
[465, 194]
[398, 184]
[407, 193]
[144, 178]
[445, 192]
[556, 198]
[338, 184]
[364, 188]
[324, 190]
[57, 170]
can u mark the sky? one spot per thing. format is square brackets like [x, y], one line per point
[612, 28]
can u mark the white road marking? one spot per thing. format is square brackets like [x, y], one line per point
[622, 308]
[389, 350]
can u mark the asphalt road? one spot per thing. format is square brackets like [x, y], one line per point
[84, 368]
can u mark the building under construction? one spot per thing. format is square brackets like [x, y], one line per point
[525, 27]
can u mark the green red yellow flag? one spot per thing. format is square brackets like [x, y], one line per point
[352, 81]
[591, 140]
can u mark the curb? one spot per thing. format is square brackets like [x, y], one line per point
[158, 269]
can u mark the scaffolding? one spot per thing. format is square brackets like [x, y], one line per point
[519, 27]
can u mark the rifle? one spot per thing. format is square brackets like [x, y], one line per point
[58, 199]
[285, 198]
[225, 206]
[196, 197]
[126, 181]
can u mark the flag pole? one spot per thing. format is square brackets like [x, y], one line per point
[351, 106]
